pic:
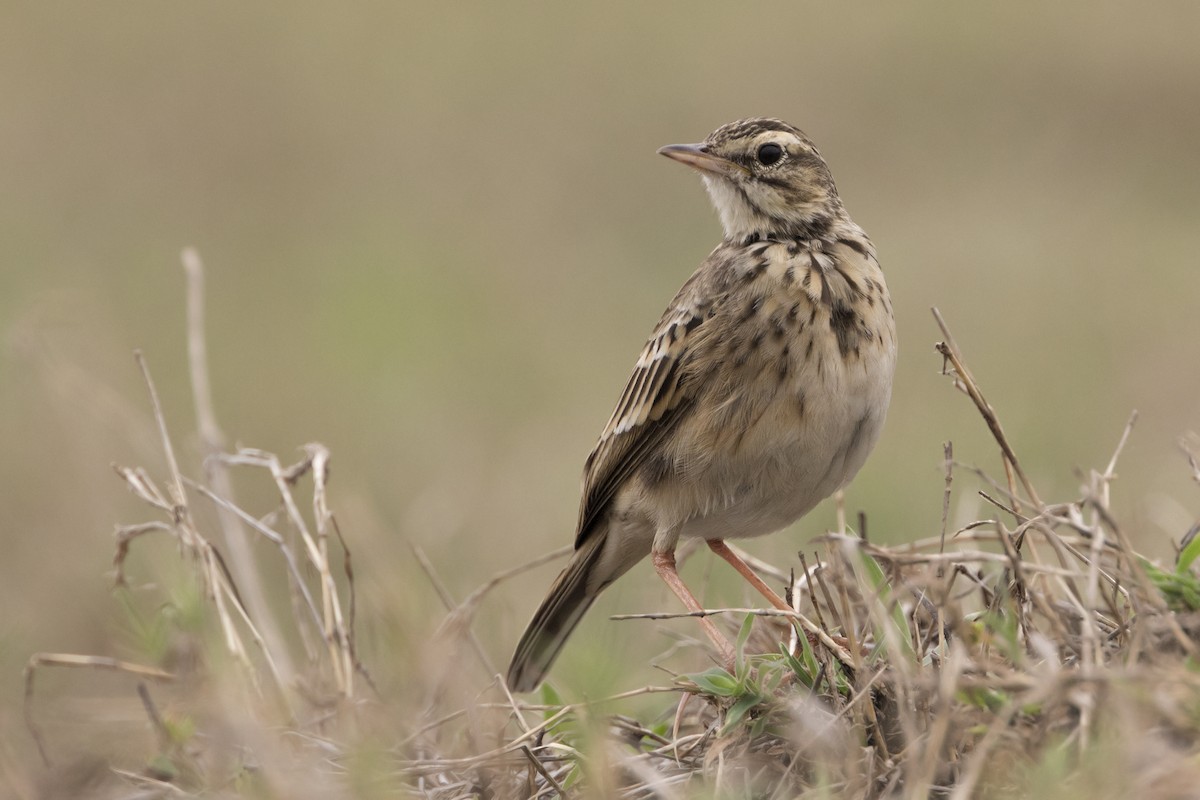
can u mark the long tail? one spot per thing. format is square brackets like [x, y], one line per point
[569, 597]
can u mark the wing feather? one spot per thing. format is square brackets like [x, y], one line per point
[657, 394]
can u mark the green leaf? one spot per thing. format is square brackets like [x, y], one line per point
[805, 666]
[897, 631]
[772, 677]
[981, 697]
[715, 681]
[740, 647]
[180, 730]
[1004, 631]
[551, 699]
[1180, 590]
[162, 768]
[739, 710]
[1187, 555]
[567, 728]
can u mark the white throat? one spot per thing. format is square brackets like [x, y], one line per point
[737, 216]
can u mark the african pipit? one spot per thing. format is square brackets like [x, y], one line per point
[760, 393]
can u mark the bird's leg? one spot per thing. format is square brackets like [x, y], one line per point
[664, 565]
[719, 547]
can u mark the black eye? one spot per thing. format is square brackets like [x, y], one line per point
[769, 154]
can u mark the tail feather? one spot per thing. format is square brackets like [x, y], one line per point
[569, 597]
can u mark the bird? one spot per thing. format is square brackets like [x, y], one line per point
[761, 391]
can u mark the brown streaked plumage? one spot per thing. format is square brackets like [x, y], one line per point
[760, 393]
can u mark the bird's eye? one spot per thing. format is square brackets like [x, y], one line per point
[769, 154]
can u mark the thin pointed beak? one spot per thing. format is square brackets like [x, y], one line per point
[695, 156]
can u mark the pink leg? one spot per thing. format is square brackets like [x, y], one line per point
[720, 548]
[664, 565]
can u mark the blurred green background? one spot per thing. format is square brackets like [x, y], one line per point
[437, 236]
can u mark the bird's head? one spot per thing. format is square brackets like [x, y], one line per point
[765, 177]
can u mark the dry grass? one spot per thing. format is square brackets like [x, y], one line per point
[1028, 654]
